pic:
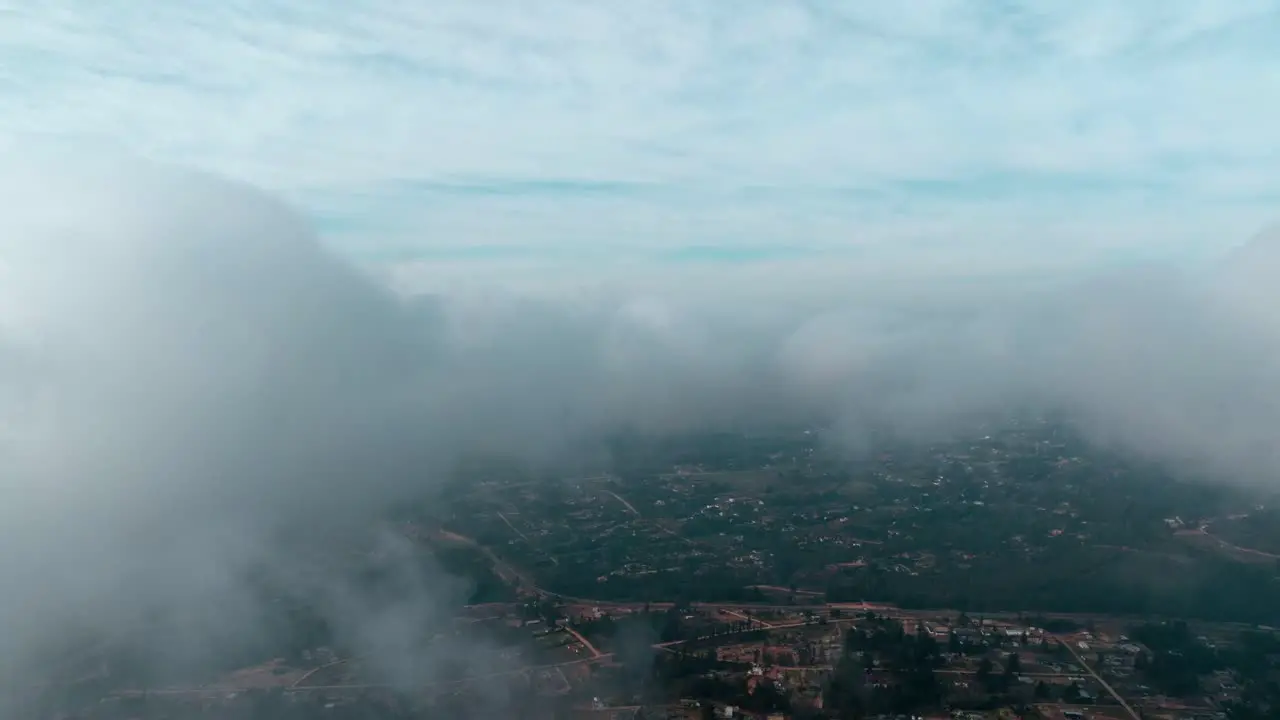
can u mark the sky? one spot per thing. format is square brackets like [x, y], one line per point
[1000, 132]
[269, 267]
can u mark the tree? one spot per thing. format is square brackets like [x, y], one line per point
[1072, 693]
[671, 626]
[984, 669]
[844, 691]
[986, 677]
[1013, 665]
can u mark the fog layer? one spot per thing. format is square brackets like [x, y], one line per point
[191, 387]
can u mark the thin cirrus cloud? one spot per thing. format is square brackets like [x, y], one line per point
[566, 126]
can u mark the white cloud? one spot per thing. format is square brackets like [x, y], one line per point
[194, 391]
[371, 113]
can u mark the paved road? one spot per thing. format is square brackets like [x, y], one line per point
[209, 690]
[1204, 530]
[1105, 685]
[748, 618]
[514, 529]
[598, 657]
[622, 500]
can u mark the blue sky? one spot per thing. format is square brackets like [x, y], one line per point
[686, 128]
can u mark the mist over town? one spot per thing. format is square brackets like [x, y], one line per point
[554, 416]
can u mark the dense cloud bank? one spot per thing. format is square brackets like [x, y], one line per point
[189, 383]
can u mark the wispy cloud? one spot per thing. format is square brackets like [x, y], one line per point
[569, 124]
